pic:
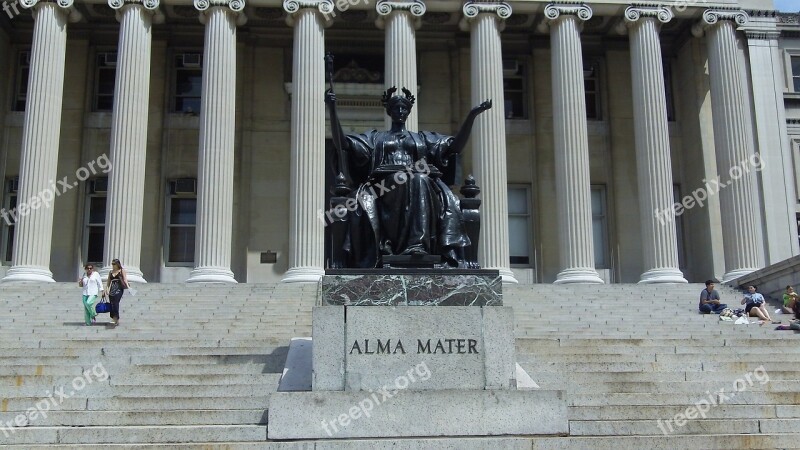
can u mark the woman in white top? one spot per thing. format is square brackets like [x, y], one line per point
[92, 285]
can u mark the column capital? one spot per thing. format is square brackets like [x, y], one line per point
[295, 6]
[66, 5]
[712, 17]
[472, 9]
[235, 7]
[150, 6]
[384, 8]
[633, 14]
[555, 10]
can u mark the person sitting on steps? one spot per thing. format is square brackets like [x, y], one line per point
[756, 305]
[709, 300]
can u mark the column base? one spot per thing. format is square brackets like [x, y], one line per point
[663, 275]
[28, 273]
[303, 275]
[211, 275]
[732, 275]
[506, 274]
[578, 275]
[134, 274]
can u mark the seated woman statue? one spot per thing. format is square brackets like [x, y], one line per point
[403, 206]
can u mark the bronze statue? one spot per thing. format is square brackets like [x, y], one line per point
[400, 205]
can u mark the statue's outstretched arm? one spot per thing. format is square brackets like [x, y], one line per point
[337, 133]
[466, 128]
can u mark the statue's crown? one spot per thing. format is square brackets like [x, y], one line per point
[389, 99]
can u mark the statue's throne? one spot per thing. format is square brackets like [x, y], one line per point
[337, 223]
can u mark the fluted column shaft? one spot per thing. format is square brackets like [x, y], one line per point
[400, 20]
[40, 136]
[123, 237]
[573, 190]
[653, 164]
[489, 144]
[738, 201]
[307, 191]
[216, 162]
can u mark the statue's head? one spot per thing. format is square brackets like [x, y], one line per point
[398, 107]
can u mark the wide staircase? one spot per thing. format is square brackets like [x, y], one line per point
[193, 367]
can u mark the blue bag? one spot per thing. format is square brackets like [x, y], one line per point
[102, 307]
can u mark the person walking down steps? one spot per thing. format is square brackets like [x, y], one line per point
[92, 285]
[117, 283]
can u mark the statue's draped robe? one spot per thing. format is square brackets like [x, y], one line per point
[403, 205]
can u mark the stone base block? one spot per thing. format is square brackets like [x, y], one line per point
[405, 413]
[458, 347]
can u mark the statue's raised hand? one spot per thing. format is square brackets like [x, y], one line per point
[487, 104]
[330, 97]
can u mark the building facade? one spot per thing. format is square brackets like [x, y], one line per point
[627, 143]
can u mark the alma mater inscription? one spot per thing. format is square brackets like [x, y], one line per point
[428, 347]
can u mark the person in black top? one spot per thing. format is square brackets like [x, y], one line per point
[117, 283]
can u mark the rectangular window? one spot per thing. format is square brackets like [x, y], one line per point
[181, 221]
[105, 73]
[796, 73]
[95, 229]
[600, 227]
[514, 89]
[519, 225]
[21, 81]
[9, 223]
[668, 92]
[591, 84]
[188, 86]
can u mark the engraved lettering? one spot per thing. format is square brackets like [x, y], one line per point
[426, 348]
[355, 347]
[400, 346]
[472, 343]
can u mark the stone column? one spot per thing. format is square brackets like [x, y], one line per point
[485, 21]
[40, 135]
[400, 19]
[573, 190]
[307, 190]
[741, 233]
[654, 166]
[123, 238]
[217, 126]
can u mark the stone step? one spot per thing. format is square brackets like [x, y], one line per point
[638, 412]
[693, 387]
[685, 399]
[137, 434]
[149, 391]
[669, 427]
[134, 418]
[132, 378]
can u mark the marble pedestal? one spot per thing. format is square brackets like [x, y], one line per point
[388, 359]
